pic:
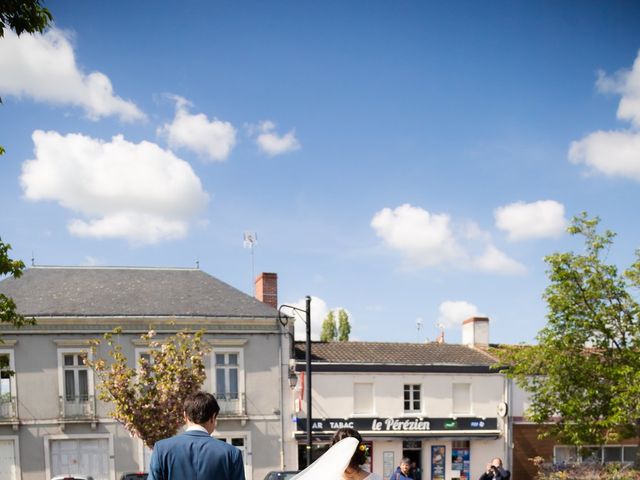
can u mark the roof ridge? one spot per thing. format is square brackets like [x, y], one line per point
[109, 267]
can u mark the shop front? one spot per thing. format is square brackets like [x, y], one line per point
[439, 448]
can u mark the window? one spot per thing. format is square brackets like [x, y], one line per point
[567, 454]
[228, 380]
[412, 398]
[362, 398]
[227, 375]
[461, 395]
[75, 383]
[241, 441]
[76, 377]
[7, 385]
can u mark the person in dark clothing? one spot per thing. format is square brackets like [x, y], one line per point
[402, 472]
[495, 471]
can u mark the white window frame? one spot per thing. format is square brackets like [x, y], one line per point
[12, 378]
[248, 464]
[468, 413]
[16, 452]
[580, 459]
[76, 351]
[138, 351]
[241, 375]
[411, 410]
[79, 436]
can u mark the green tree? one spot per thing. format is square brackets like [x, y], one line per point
[344, 327]
[148, 400]
[329, 330]
[11, 268]
[24, 16]
[583, 374]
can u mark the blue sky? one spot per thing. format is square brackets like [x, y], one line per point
[402, 160]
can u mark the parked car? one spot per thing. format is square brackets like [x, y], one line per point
[72, 476]
[281, 475]
[134, 476]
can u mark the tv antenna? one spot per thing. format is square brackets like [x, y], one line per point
[250, 241]
[419, 324]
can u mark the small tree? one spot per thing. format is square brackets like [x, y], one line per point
[344, 327]
[148, 400]
[329, 330]
[584, 372]
[12, 268]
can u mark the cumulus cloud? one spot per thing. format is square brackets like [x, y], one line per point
[541, 219]
[43, 67]
[427, 240]
[273, 144]
[211, 139]
[319, 310]
[453, 313]
[615, 153]
[135, 191]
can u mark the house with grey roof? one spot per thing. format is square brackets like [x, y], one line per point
[50, 420]
[442, 405]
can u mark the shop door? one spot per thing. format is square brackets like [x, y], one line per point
[7, 460]
[413, 450]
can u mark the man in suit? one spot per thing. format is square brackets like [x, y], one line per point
[195, 454]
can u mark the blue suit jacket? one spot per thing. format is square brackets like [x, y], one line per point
[194, 455]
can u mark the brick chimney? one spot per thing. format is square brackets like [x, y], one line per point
[475, 332]
[267, 288]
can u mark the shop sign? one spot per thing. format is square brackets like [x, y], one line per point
[402, 424]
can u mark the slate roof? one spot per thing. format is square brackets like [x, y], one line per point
[116, 291]
[387, 353]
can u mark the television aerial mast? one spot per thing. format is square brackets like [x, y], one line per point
[250, 241]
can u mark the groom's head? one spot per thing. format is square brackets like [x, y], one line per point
[201, 408]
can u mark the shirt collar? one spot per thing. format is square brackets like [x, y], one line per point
[198, 428]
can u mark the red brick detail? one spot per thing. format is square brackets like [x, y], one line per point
[267, 288]
[526, 445]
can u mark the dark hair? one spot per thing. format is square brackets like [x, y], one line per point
[200, 407]
[360, 455]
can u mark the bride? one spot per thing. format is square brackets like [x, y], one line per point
[343, 461]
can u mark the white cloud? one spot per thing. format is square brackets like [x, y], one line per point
[541, 219]
[43, 67]
[428, 240]
[453, 313]
[615, 153]
[138, 192]
[273, 144]
[211, 139]
[493, 260]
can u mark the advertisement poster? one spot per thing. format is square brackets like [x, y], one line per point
[460, 463]
[438, 459]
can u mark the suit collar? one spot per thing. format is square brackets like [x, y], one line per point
[196, 433]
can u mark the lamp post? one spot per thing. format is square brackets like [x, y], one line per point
[307, 312]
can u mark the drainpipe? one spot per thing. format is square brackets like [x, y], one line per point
[280, 366]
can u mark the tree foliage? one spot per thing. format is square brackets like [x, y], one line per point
[344, 327]
[329, 330]
[24, 16]
[583, 375]
[148, 400]
[12, 268]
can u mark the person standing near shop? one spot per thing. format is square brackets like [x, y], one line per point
[495, 471]
[402, 472]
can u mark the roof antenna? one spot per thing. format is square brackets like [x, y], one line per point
[250, 241]
[33, 260]
[419, 324]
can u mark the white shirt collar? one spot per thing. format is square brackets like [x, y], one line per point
[199, 428]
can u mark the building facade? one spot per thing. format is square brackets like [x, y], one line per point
[50, 420]
[442, 405]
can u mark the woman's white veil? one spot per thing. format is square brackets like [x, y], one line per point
[332, 464]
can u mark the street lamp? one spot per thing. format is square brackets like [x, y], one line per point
[292, 376]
